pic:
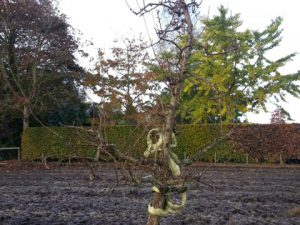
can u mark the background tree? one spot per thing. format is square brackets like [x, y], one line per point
[232, 71]
[278, 116]
[122, 81]
[38, 70]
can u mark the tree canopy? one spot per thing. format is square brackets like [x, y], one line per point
[38, 70]
[122, 80]
[232, 71]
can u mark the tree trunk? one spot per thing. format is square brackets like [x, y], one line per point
[175, 82]
[97, 157]
[158, 199]
[157, 202]
[26, 115]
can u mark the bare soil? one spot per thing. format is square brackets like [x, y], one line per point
[225, 195]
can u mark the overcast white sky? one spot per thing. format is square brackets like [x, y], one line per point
[104, 21]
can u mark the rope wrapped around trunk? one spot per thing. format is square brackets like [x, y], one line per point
[173, 161]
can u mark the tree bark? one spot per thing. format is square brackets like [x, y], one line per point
[158, 199]
[26, 115]
[157, 202]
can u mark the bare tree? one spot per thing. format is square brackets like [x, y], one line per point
[278, 116]
[176, 34]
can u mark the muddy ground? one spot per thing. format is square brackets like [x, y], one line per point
[64, 195]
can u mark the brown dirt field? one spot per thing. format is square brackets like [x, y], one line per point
[30, 194]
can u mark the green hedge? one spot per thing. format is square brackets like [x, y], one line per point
[193, 138]
[56, 142]
[61, 142]
[128, 139]
[264, 143]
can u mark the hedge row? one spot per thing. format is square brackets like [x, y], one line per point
[263, 142]
[54, 142]
[61, 142]
[268, 142]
